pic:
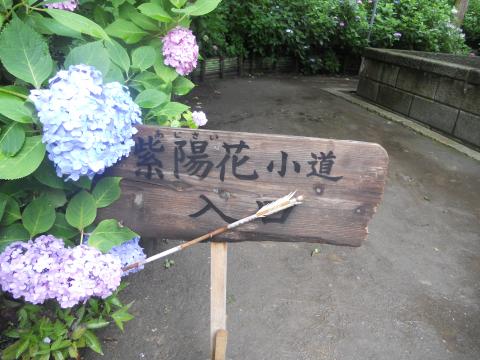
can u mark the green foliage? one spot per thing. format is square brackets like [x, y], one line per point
[322, 34]
[48, 331]
[471, 24]
[122, 39]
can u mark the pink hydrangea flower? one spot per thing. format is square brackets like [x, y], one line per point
[69, 5]
[199, 118]
[180, 50]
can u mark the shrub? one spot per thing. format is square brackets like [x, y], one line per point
[471, 24]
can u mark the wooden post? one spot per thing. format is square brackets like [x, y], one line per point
[462, 7]
[218, 300]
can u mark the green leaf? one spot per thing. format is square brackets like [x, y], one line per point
[46, 175]
[146, 80]
[166, 73]
[114, 74]
[121, 315]
[5, 5]
[93, 54]
[25, 162]
[78, 23]
[15, 109]
[55, 197]
[109, 234]
[96, 324]
[143, 57]
[118, 54]
[126, 30]
[49, 26]
[151, 98]
[172, 110]
[107, 191]
[81, 210]
[3, 203]
[25, 53]
[129, 12]
[155, 11]
[57, 355]
[199, 7]
[60, 344]
[92, 342]
[11, 212]
[38, 216]
[182, 86]
[12, 233]
[12, 139]
[178, 3]
[62, 229]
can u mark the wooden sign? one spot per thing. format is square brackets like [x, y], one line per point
[180, 183]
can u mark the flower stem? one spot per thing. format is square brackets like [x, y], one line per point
[81, 237]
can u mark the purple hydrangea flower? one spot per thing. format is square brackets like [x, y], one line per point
[397, 35]
[128, 253]
[87, 125]
[44, 269]
[199, 118]
[69, 5]
[180, 50]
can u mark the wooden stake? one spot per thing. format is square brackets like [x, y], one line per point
[218, 299]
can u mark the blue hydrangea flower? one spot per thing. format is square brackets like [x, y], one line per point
[129, 252]
[87, 125]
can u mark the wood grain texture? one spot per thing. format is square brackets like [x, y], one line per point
[218, 293]
[335, 212]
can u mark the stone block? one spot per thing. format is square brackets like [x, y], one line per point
[371, 69]
[389, 74]
[367, 88]
[471, 102]
[468, 128]
[417, 82]
[450, 92]
[437, 115]
[394, 99]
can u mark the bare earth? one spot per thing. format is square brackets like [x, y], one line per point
[412, 291]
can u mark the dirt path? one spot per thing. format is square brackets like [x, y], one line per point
[412, 291]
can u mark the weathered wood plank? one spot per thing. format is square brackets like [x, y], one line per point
[161, 195]
[218, 296]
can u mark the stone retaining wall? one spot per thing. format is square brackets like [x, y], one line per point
[440, 90]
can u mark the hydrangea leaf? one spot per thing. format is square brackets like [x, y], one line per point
[55, 197]
[155, 11]
[172, 110]
[178, 3]
[93, 54]
[12, 233]
[128, 11]
[182, 86]
[5, 5]
[109, 234]
[81, 210]
[49, 26]
[46, 175]
[164, 72]
[199, 7]
[27, 160]
[25, 53]
[15, 109]
[114, 74]
[118, 54]
[107, 191]
[12, 138]
[62, 229]
[11, 212]
[144, 57]
[38, 216]
[151, 98]
[3, 203]
[126, 30]
[78, 23]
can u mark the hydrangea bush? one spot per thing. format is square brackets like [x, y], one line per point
[76, 77]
